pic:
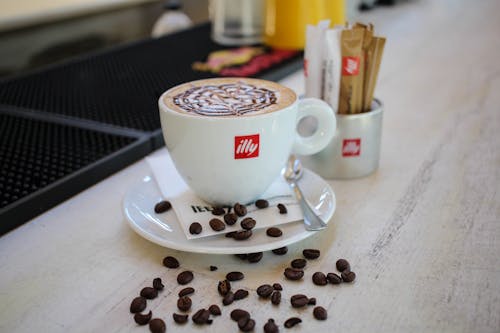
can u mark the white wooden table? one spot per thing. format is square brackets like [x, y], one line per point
[422, 233]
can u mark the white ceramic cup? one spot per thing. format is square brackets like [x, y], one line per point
[229, 159]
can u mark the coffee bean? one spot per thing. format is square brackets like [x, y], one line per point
[217, 225]
[299, 300]
[246, 324]
[342, 265]
[291, 322]
[170, 262]
[138, 305]
[235, 276]
[186, 291]
[228, 298]
[265, 290]
[213, 268]
[230, 218]
[237, 314]
[277, 286]
[276, 297]
[320, 313]
[162, 207]
[218, 211]
[195, 228]
[242, 256]
[312, 301]
[185, 277]
[333, 278]
[224, 287]
[231, 234]
[157, 284]
[311, 253]
[240, 294]
[240, 210]
[143, 319]
[348, 276]
[180, 318]
[280, 251]
[319, 279]
[149, 293]
[248, 223]
[254, 257]
[271, 327]
[201, 317]
[282, 208]
[242, 235]
[157, 326]
[298, 263]
[184, 303]
[293, 273]
[274, 232]
[261, 203]
[214, 310]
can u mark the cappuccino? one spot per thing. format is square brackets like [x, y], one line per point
[229, 97]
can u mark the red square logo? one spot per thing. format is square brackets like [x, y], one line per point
[351, 147]
[246, 146]
[350, 66]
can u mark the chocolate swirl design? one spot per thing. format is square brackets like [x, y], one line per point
[231, 99]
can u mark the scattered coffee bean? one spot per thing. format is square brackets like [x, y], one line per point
[348, 276]
[311, 253]
[213, 268]
[180, 318]
[298, 263]
[277, 286]
[157, 326]
[265, 290]
[218, 211]
[143, 319]
[312, 301]
[240, 210]
[248, 223]
[294, 274]
[228, 298]
[271, 327]
[240, 294]
[242, 235]
[237, 314]
[276, 297]
[170, 262]
[217, 225]
[201, 317]
[214, 310]
[157, 284]
[235, 276]
[299, 300]
[280, 251]
[186, 291]
[291, 322]
[333, 278]
[342, 265]
[231, 234]
[246, 324]
[282, 208]
[224, 287]
[149, 292]
[319, 279]
[255, 257]
[162, 207]
[138, 305]
[184, 303]
[195, 228]
[230, 218]
[242, 256]
[320, 313]
[261, 203]
[274, 232]
[185, 277]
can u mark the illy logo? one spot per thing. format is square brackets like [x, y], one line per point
[246, 146]
[350, 65]
[351, 147]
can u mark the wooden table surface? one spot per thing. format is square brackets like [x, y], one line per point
[422, 233]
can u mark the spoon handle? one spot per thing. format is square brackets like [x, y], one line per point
[311, 219]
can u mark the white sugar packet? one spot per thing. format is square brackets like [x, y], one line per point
[189, 208]
[313, 58]
[332, 60]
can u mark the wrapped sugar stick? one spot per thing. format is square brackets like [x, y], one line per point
[313, 62]
[332, 67]
[373, 59]
[351, 81]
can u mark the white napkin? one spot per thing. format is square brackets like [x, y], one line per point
[189, 208]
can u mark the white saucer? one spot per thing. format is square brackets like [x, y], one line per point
[164, 229]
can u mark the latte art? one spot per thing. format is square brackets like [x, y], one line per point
[230, 99]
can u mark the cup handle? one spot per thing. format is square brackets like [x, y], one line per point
[326, 126]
